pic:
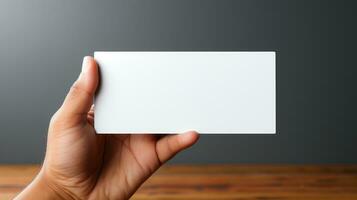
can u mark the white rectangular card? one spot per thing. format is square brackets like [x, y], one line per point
[170, 92]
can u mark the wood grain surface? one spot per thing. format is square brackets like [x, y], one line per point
[244, 182]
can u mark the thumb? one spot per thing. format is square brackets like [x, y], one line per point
[80, 97]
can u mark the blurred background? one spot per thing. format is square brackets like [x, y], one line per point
[42, 44]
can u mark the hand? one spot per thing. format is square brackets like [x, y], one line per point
[79, 164]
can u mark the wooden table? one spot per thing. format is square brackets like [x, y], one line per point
[245, 182]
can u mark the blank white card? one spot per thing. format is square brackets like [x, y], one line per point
[171, 92]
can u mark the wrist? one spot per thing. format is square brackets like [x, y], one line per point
[41, 188]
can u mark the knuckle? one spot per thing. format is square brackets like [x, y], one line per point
[76, 90]
[58, 122]
[54, 118]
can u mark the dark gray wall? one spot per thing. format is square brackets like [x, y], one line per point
[42, 44]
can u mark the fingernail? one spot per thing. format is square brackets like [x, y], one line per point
[85, 64]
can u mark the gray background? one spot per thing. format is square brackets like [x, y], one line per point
[42, 44]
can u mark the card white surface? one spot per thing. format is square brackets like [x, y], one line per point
[171, 92]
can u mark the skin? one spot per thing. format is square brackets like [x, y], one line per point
[79, 164]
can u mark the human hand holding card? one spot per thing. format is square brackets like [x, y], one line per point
[170, 92]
